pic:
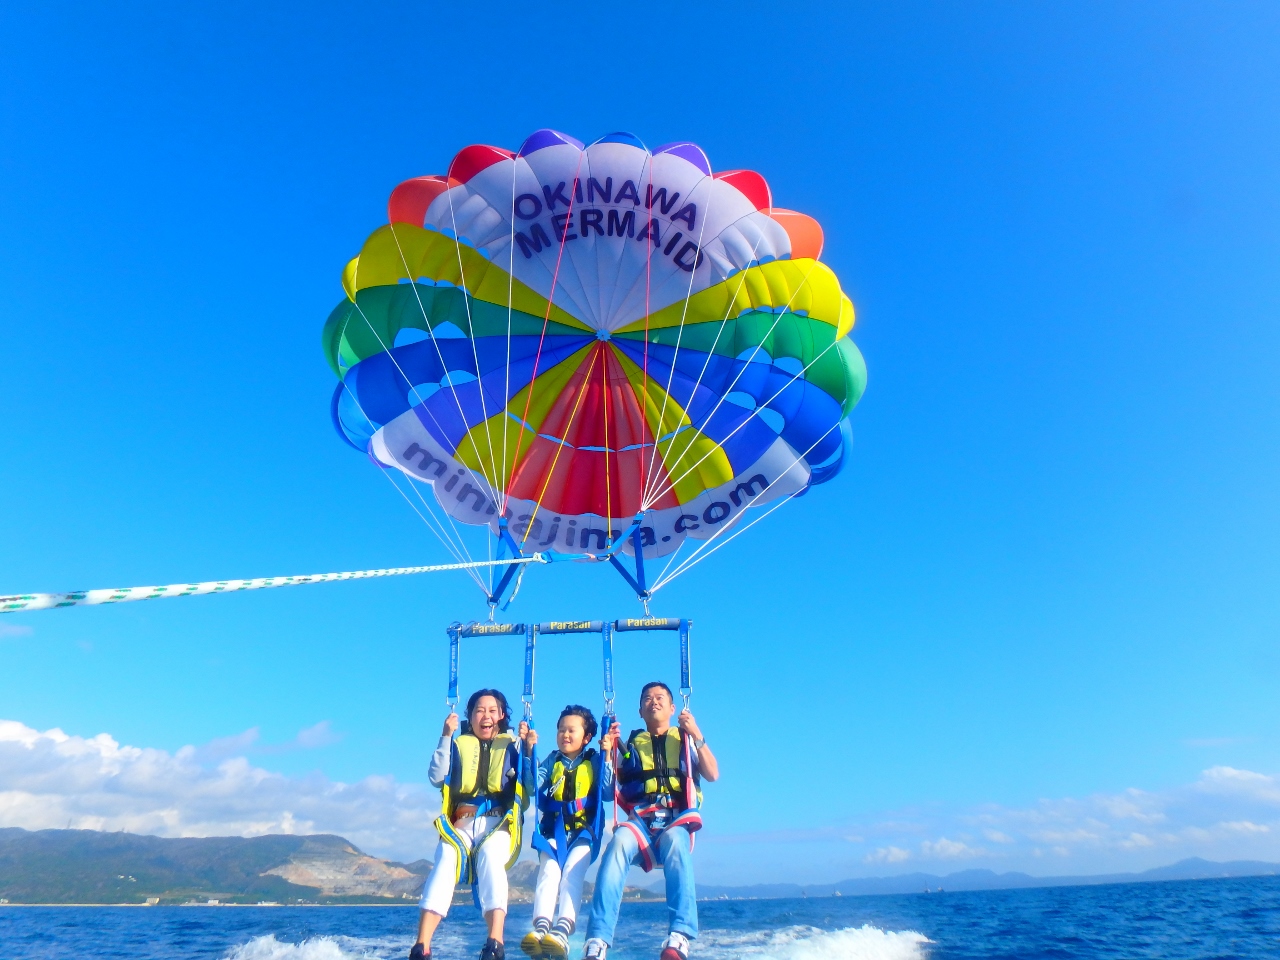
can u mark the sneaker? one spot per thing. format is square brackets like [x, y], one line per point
[532, 944]
[493, 950]
[595, 949]
[419, 952]
[555, 944]
[675, 947]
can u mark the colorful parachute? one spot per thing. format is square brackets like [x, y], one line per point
[570, 336]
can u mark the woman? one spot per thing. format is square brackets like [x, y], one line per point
[486, 778]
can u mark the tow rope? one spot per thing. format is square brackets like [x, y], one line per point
[87, 598]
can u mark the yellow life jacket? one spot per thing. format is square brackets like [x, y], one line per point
[570, 794]
[646, 776]
[463, 785]
[498, 793]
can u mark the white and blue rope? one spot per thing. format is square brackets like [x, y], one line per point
[86, 598]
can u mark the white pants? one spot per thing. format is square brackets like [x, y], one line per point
[491, 869]
[561, 892]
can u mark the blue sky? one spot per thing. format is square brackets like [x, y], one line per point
[1049, 574]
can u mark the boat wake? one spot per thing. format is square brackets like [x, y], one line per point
[811, 943]
[789, 943]
[321, 948]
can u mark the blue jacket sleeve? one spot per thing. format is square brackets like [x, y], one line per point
[606, 780]
[544, 769]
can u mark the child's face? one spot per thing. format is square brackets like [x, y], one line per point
[571, 735]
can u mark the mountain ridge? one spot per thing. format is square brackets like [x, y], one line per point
[91, 867]
[1191, 868]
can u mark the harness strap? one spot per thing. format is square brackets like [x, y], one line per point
[561, 810]
[647, 841]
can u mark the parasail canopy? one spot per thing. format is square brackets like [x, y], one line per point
[570, 336]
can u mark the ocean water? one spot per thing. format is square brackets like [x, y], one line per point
[1178, 920]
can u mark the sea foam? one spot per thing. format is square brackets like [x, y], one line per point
[811, 943]
[789, 943]
[317, 948]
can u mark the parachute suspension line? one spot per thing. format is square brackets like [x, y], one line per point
[404, 376]
[458, 549]
[705, 549]
[461, 542]
[16, 603]
[439, 354]
[494, 484]
[648, 282]
[506, 387]
[651, 482]
[702, 551]
[652, 496]
[698, 556]
[756, 412]
[617, 298]
[409, 383]
[542, 338]
[608, 491]
[460, 557]
[698, 431]
[666, 395]
[577, 403]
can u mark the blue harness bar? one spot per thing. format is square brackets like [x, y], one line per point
[455, 637]
[480, 628]
[606, 633]
[606, 629]
[571, 626]
[667, 623]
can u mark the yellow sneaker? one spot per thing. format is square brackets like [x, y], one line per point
[531, 944]
[554, 944]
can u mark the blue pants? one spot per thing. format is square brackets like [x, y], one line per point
[675, 853]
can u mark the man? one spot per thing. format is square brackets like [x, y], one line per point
[658, 774]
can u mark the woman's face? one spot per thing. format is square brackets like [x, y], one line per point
[485, 718]
[571, 735]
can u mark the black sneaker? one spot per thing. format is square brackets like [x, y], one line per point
[493, 950]
[419, 952]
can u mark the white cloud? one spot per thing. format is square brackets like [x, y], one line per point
[14, 630]
[320, 735]
[1245, 784]
[888, 855]
[944, 849]
[51, 780]
[1136, 840]
[1244, 826]
[1224, 814]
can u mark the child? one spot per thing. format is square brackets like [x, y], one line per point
[571, 782]
[485, 796]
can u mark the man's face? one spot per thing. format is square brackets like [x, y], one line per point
[485, 718]
[656, 706]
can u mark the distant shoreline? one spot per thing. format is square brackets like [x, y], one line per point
[86, 868]
[215, 906]
[713, 899]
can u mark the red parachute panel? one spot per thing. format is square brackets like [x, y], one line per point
[471, 160]
[751, 185]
